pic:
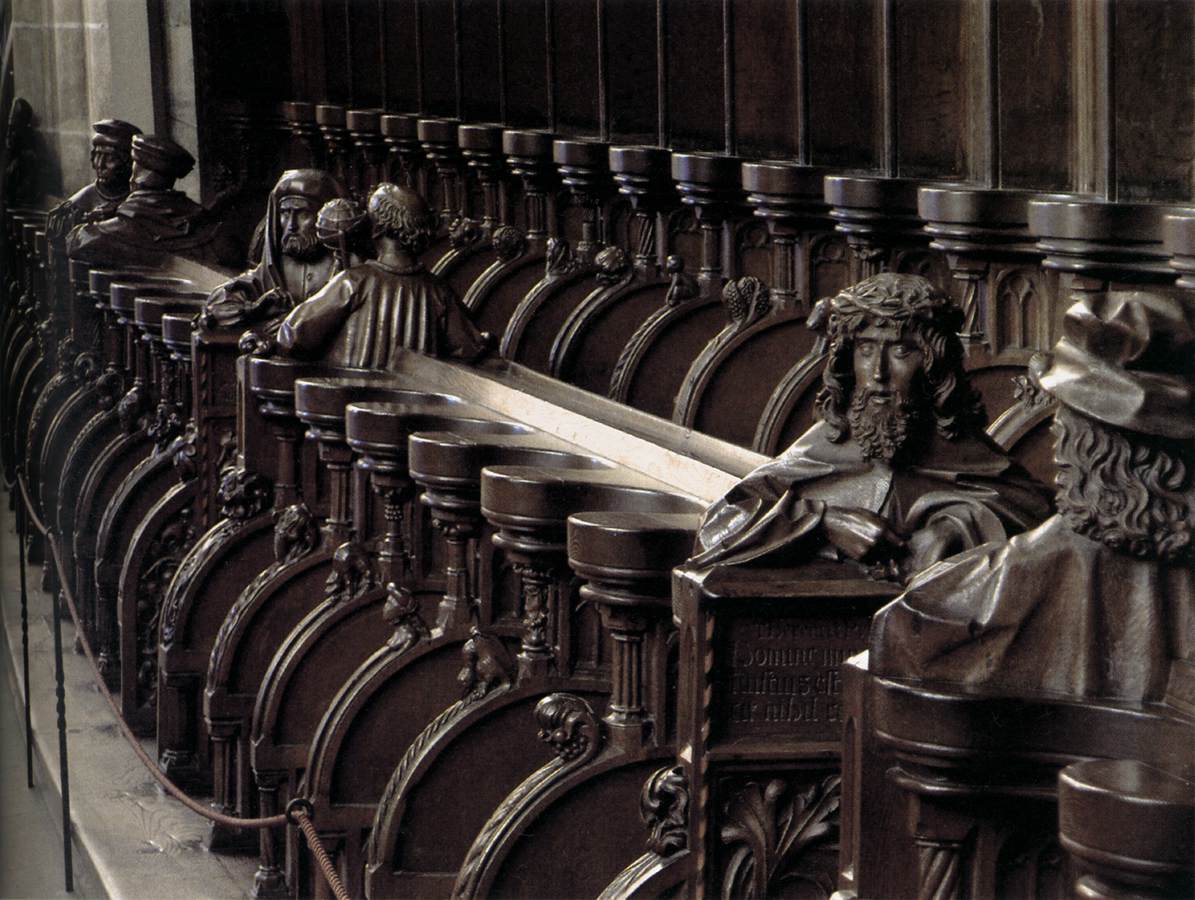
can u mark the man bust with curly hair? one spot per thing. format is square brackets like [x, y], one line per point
[1099, 600]
[898, 473]
[368, 315]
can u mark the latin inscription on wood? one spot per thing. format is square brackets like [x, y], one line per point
[778, 669]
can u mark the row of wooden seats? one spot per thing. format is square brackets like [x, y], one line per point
[238, 555]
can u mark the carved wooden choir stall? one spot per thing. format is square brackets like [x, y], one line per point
[601, 380]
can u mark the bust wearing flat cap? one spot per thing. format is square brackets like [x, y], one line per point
[155, 220]
[112, 162]
[1098, 601]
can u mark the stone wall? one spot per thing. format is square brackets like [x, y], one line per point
[77, 61]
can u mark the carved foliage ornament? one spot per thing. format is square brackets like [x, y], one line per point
[243, 494]
[568, 725]
[768, 829]
[746, 299]
[664, 806]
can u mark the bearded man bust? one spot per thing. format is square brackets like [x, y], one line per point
[294, 264]
[899, 473]
[1098, 602]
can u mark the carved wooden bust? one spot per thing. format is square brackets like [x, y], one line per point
[154, 220]
[295, 263]
[370, 313]
[898, 473]
[112, 161]
[1099, 600]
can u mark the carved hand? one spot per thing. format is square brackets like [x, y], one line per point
[858, 532]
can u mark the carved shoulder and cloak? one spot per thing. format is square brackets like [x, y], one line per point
[147, 225]
[1049, 612]
[968, 485]
[364, 317]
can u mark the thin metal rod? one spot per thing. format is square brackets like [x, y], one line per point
[63, 768]
[22, 534]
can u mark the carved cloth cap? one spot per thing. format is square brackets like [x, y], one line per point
[1126, 358]
[162, 155]
[313, 185]
[114, 133]
[889, 296]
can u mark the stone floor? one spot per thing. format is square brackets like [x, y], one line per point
[131, 840]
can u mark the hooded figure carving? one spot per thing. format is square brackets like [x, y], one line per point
[294, 263]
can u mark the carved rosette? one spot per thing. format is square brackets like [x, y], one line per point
[243, 494]
[768, 829]
[351, 574]
[509, 243]
[568, 725]
[401, 611]
[109, 386]
[664, 807]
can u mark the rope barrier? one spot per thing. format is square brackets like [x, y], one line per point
[299, 812]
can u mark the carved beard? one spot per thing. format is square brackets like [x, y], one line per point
[302, 245]
[891, 431]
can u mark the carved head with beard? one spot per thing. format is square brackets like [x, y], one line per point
[297, 197]
[895, 366]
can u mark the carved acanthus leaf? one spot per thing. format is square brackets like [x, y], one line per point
[768, 832]
[561, 259]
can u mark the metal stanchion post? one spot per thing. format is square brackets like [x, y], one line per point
[60, 693]
[22, 536]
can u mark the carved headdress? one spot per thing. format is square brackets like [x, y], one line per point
[313, 187]
[1126, 358]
